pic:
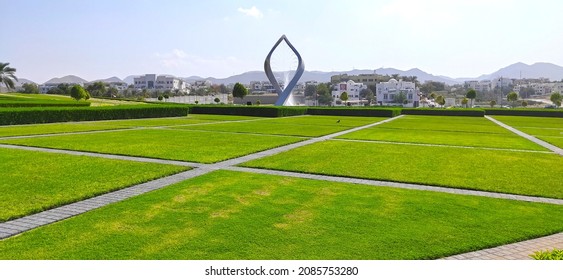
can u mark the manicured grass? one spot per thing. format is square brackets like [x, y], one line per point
[489, 170]
[458, 131]
[34, 129]
[196, 146]
[308, 126]
[153, 122]
[232, 215]
[546, 129]
[35, 181]
[222, 117]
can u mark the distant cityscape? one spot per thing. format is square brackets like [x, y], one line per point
[343, 89]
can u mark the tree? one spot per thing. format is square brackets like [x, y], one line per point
[30, 88]
[258, 102]
[344, 97]
[217, 100]
[471, 94]
[512, 97]
[77, 92]
[310, 90]
[524, 103]
[433, 95]
[112, 92]
[323, 94]
[240, 91]
[493, 103]
[464, 102]
[160, 97]
[7, 75]
[440, 100]
[527, 92]
[400, 98]
[368, 95]
[556, 98]
[97, 88]
[223, 88]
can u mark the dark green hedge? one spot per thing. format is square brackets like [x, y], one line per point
[445, 112]
[255, 111]
[526, 112]
[363, 112]
[13, 104]
[9, 116]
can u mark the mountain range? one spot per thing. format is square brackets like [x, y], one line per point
[515, 71]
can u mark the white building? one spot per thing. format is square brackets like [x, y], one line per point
[161, 82]
[351, 88]
[387, 91]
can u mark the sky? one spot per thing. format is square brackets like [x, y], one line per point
[96, 39]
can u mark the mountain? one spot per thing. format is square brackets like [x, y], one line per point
[70, 79]
[534, 71]
[22, 81]
[110, 80]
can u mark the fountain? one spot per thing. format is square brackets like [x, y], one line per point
[285, 98]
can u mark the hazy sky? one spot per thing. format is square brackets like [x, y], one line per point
[97, 39]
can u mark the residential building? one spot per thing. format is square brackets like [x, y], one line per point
[387, 91]
[161, 82]
[353, 90]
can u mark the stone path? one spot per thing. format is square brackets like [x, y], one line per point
[515, 251]
[544, 144]
[520, 250]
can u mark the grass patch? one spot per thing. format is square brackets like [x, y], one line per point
[308, 126]
[548, 255]
[547, 129]
[459, 131]
[36, 181]
[195, 146]
[35, 129]
[233, 215]
[497, 171]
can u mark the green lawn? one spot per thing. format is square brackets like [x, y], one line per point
[34, 129]
[546, 129]
[232, 215]
[308, 126]
[195, 146]
[458, 131]
[35, 181]
[498, 171]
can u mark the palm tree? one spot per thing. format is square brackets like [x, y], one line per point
[7, 74]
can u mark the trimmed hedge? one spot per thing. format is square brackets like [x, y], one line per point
[526, 112]
[356, 112]
[9, 116]
[445, 112]
[13, 104]
[255, 111]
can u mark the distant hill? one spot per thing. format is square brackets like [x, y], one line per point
[70, 79]
[109, 80]
[22, 81]
[534, 71]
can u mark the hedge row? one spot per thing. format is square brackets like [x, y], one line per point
[255, 111]
[363, 112]
[526, 112]
[445, 112]
[9, 116]
[13, 104]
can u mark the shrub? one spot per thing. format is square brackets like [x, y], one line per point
[525, 112]
[548, 255]
[10, 116]
[77, 92]
[263, 111]
[445, 112]
[363, 112]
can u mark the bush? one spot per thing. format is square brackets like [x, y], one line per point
[10, 116]
[265, 111]
[525, 112]
[548, 255]
[445, 112]
[363, 112]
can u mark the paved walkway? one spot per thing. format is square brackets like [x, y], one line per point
[511, 251]
[542, 143]
[515, 251]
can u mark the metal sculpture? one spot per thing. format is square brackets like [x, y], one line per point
[284, 95]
